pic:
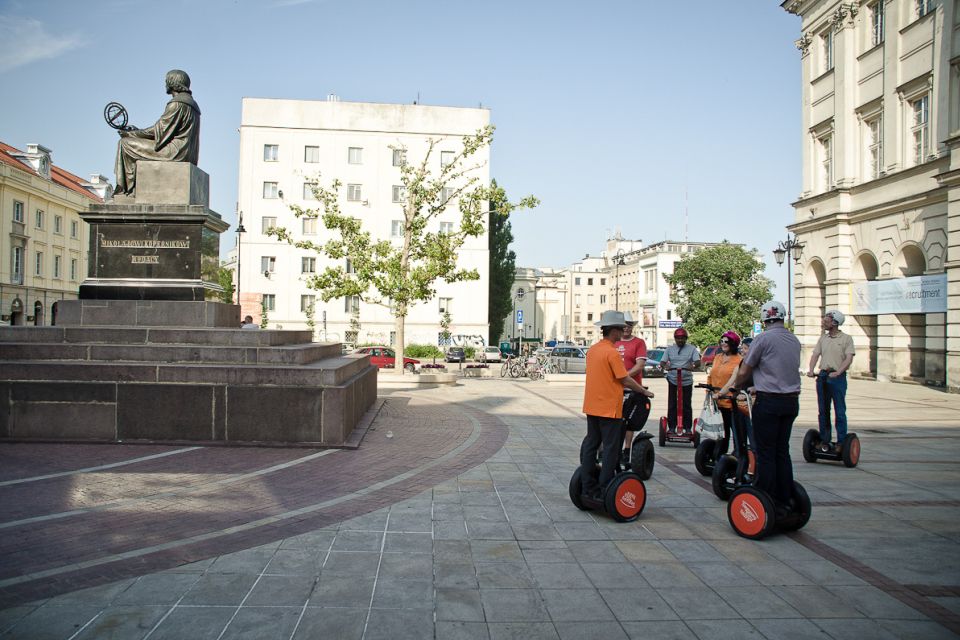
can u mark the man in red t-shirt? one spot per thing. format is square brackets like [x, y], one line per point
[633, 350]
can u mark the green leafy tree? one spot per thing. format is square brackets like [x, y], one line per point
[264, 319]
[503, 262]
[717, 289]
[401, 274]
[311, 314]
[445, 329]
[225, 280]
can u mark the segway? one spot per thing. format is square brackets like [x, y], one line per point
[709, 448]
[816, 449]
[623, 498]
[677, 434]
[733, 471]
[752, 515]
[641, 458]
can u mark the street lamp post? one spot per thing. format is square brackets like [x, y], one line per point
[795, 248]
[517, 296]
[240, 232]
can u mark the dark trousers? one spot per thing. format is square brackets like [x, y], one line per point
[609, 431]
[832, 391]
[773, 417]
[723, 445]
[687, 406]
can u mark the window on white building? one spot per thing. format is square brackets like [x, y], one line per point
[825, 161]
[17, 266]
[268, 264]
[590, 281]
[576, 300]
[396, 228]
[589, 298]
[446, 158]
[826, 51]
[589, 317]
[58, 225]
[57, 267]
[603, 282]
[307, 302]
[308, 188]
[270, 190]
[270, 302]
[309, 226]
[876, 22]
[351, 305]
[445, 305]
[445, 194]
[399, 193]
[17, 211]
[446, 227]
[349, 266]
[576, 317]
[923, 7]
[576, 281]
[873, 147]
[603, 299]
[271, 152]
[267, 223]
[40, 220]
[38, 264]
[399, 157]
[311, 154]
[308, 265]
[355, 155]
[919, 129]
[73, 268]
[354, 192]
[74, 229]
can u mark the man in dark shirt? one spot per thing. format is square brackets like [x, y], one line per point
[774, 363]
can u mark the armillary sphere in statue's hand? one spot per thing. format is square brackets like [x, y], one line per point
[116, 116]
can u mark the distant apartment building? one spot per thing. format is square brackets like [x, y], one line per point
[288, 145]
[879, 209]
[625, 276]
[44, 244]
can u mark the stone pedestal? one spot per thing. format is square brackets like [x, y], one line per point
[162, 245]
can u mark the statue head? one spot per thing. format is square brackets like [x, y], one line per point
[177, 81]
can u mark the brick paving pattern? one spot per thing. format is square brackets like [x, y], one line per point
[466, 531]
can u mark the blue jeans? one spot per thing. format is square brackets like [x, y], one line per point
[832, 390]
[773, 416]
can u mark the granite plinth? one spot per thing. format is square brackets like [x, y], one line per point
[171, 183]
[173, 384]
[152, 252]
[147, 313]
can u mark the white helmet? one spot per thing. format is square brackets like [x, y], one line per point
[836, 315]
[628, 318]
[772, 311]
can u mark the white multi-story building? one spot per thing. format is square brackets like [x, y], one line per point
[43, 249]
[879, 210]
[285, 147]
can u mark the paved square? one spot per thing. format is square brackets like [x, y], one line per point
[459, 526]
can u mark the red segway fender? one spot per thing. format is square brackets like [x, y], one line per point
[851, 450]
[663, 431]
[625, 498]
[750, 513]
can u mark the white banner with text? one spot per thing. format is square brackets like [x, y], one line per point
[918, 294]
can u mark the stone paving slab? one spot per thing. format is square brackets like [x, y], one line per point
[490, 547]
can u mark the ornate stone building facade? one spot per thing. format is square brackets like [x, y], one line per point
[879, 209]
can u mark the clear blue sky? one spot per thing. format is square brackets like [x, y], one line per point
[606, 111]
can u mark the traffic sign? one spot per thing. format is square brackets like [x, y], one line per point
[520, 317]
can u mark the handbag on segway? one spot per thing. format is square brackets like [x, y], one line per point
[641, 457]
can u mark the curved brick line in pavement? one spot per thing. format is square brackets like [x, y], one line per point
[102, 467]
[417, 472]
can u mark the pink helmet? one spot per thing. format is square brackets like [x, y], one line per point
[733, 338]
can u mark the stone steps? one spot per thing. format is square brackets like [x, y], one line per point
[155, 335]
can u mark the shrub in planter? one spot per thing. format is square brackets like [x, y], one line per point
[433, 366]
[422, 351]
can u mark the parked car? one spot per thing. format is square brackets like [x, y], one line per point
[490, 354]
[543, 351]
[455, 354]
[706, 358]
[651, 368]
[570, 359]
[385, 357]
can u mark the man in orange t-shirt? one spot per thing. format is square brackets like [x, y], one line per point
[603, 402]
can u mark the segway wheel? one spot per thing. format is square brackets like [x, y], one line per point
[663, 432]
[703, 459]
[802, 508]
[625, 498]
[851, 450]
[576, 489]
[810, 442]
[724, 474]
[642, 458]
[750, 513]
